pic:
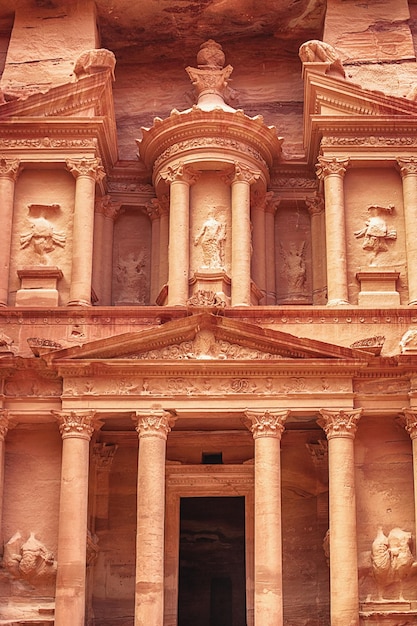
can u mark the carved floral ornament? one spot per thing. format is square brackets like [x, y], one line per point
[266, 423]
[339, 423]
[331, 166]
[180, 173]
[80, 425]
[9, 168]
[4, 423]
[92, 168]
[154, 422]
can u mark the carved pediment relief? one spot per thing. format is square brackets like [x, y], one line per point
[205, 337]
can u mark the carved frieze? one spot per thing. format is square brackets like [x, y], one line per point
[30, 384]
[369, 140]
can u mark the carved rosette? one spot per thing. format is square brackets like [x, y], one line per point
[410, 422]
[9, 168]
[180, 173]
[339, 423]
[266, 423]
[407, 166]
[331, 166]
[91, 168]
[4, 423]
[78, 425]
[154, 423]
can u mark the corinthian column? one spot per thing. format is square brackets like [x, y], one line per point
[411, 427]
[180, 177]
[408, 170]
[86, 172]
[9, 169]
[76, 429]
[241, 178]
[340, 428]
[332, 171]
[267, 427]
[315, 207]
[153, 427]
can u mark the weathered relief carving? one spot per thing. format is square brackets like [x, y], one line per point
[211, 75]
[28, 560]
[376, 232]
[24, 384]
[383, 385]
[41, 237]
[206, 297]
[392, 559]
[5, 344]
[39, 345]
[408, 342]
[92, 548]
[371, 344]
[131, 276]
[316, 51]
[293, 268]
[92, 61]
[211, 239]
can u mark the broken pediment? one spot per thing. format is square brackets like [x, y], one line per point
[205, 337]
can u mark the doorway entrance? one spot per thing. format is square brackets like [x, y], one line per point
[212, 582]
[195, 497]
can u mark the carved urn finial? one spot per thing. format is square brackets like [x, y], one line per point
[210, 79]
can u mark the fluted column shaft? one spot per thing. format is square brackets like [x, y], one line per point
[153, 427]
[76, 429]
[315, 206]
[180, 178]
[86, 172]
[340, 428]
[9, 169]
[408, 170]
[241, 179]
[267, 427]
[332, 171]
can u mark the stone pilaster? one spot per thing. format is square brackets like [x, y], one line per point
[105, 215]
[240, 179]
[271, 205]
[158, 214]
[4, 427]
[76, 429]
[332, 172]
[153, 427]
[410, 417]
[267, 427]
[9, 169]
[408, 170]
[86, 172]
[258, 214]
[315, 207]
[340, 428]
[180, 177]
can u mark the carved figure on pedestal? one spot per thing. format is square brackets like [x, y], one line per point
[42, 238]
[316, 51]
[28, 560]
[212, 239]
[392, 560]
[293, 268]
[375, 231]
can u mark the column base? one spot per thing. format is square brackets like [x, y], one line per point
[337, 302]
[79, 303]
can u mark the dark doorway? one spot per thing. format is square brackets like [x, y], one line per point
[212, 580]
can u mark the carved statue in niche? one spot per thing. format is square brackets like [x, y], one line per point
[293, 268]
[212, 238]
[28, 560]
[392, 560]
[375, 231]
[42, 237]
[132, 278]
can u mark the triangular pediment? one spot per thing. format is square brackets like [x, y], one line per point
[205, 337]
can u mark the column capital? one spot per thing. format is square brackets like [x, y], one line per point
[77, 424]
[240, 173]
[180, 172]
[106, 207]
[92, 168]
[407, 165]
[9, 168]
[410, 422]
[315, 204]
[266, 423]
[4, 423]
[327, 166]
[153, 423]
[261, 199]
[339, 423]
[156, 207]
